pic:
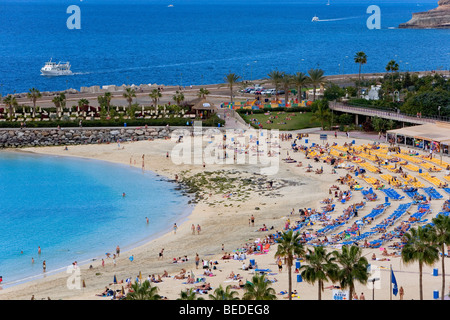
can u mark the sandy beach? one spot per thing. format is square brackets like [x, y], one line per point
[225, 221]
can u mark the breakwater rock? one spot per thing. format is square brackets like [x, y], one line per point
[34, 137]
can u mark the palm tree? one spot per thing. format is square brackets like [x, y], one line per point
[289, 246]
[83, 102]
[155, 95]
[300, 80]
[202, 93]
[62, 97]
[440, 235]
[189, 295]
[107, 96]
[259, 289]
[322, 114]
[129, 95]
[11, 103]
[102, 101]
[316, 78]
[143, 291]
[231, 80]
[353, 267]
[419, 248]
[275, 77]
[178, 97]
[221, 294]
[320, 268]
[57, 101]
[360, 58]
[286, 82]
[392, 66]
[34, 94]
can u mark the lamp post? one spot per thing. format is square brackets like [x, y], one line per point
[343, 60]
[373, 286]
[248, 65]
[251, 71]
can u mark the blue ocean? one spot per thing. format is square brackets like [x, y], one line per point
[74, 210]
[200, 41]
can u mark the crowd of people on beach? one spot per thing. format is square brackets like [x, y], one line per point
[316, 225]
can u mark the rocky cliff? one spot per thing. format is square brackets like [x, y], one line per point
[436, 18]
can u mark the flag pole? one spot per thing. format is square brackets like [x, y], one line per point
[390, 291]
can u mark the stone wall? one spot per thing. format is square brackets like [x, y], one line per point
[30, 137]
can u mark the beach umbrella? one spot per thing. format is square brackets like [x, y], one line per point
[115, 279]
[140, 276]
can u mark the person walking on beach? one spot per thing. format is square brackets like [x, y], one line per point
[161, 253]
[114, 260]
[175, 227]
[253, 220]
[197, 260]
[198, 229]
[193, 229]
[39, 250]
[117, 250]
[44, 266]
[280, 264]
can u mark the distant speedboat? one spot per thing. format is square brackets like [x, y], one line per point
[56, 69]
[315, 18]
[170, 5]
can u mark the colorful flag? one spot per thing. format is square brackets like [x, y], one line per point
[394, 283]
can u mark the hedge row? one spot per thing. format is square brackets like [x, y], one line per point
[213, 121]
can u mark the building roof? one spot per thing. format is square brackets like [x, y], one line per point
[203, 104]
[439, 132]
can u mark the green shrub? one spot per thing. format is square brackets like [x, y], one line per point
[110, 123]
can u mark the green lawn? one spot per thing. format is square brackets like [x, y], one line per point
[282, 120]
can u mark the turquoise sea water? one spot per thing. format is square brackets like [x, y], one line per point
[200, 41]
[75, 211]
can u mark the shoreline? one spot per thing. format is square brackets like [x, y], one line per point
[220, 224]
[195, 213]
[131, 246]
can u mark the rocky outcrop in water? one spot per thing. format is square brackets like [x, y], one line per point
[433, 19]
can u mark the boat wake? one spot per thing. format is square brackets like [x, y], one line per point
[337, 19]
[78, 73]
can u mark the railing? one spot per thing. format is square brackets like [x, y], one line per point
[398, 116]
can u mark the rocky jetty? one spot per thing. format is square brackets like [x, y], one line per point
[433, 19]
[17, 138]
